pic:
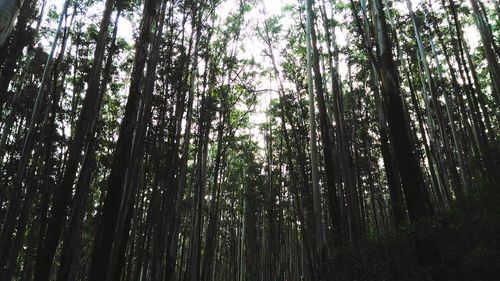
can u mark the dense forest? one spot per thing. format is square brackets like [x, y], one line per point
[249, 140]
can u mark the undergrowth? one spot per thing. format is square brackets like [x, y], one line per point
[468, 238]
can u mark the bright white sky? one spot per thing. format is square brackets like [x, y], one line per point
[253, 46]
[273, 7]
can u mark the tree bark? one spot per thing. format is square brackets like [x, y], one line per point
[318, 217]
[103, 240]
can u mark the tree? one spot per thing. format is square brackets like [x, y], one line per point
[227, 140]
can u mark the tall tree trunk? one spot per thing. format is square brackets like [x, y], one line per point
[10, 55]
[459, 189]
[73, 233]
[411, 175]
[176, 215]
[105, 231]
[85, 124]
[488, 47]
[387, 149]
[210, 243]
[9, 9]
[18, 190]
[318, 217]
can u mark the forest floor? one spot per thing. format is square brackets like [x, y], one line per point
[468, 238]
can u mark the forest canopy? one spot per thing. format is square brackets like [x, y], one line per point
[249, 140]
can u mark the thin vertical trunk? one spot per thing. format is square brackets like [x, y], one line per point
[451, 119]
[108, 219]
[176, 216]
[85, 124]
[488, 47]
[124, 218]
[436, 106]
[318, 217]
[10, 56]
[210, 243]
[294, 179]
[16, 195]
[411, 175]
[8, 14]
[73, 233]
[387, 149]
[193, 269]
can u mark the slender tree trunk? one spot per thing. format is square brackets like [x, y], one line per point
[387, 149]
[8, 14]
[175, 225]
[10, 55]
[411, 175]
[210, 243]
[18, 190]
[318, 217]
[105, 231]
[434, 101]
[73, 233]
[488, 47]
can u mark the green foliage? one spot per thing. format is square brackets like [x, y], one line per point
[52, 13]
[467, 238]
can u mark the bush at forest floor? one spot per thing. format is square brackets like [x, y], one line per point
[468, 239]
